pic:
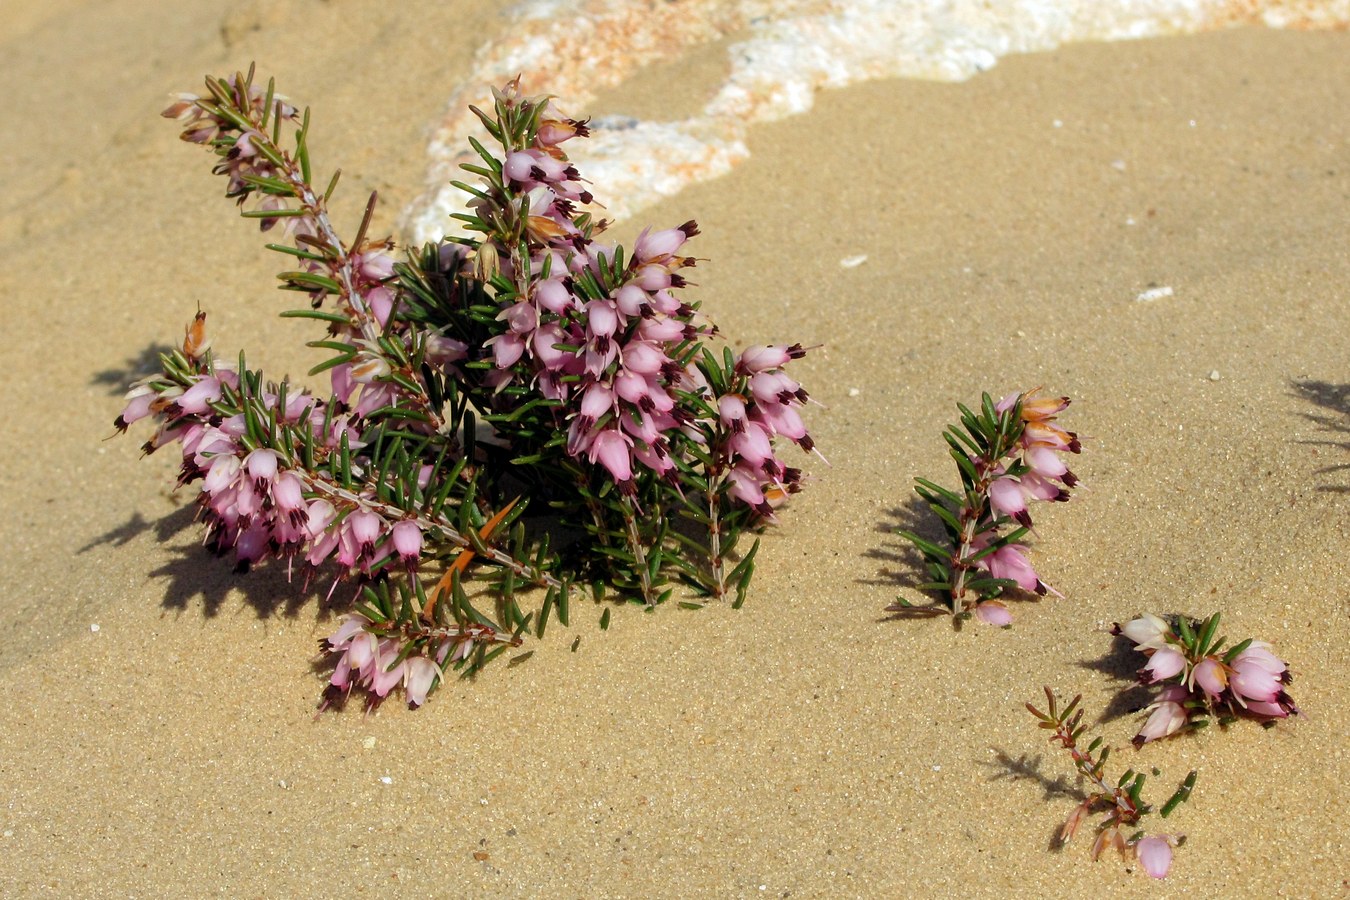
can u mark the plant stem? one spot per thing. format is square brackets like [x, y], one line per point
[316, 484]
[718, 570]
[976, 508]
[636, 548]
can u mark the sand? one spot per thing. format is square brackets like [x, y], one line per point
[808, 744]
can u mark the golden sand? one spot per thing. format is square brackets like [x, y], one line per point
[806, 745]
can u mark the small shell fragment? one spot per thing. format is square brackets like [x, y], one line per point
[1152, 294]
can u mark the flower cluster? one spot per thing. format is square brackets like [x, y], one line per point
[278, 497]
[1121, 803]
[1200, 678]
[376, 658]
[1009, 454]
[611, 342]
[599, 392]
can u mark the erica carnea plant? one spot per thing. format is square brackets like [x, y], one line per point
[1008, 454]
[520, 409]
[1120, 804]
[1201, 679]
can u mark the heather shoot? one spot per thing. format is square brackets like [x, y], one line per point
[521, 411]
[1201, 679]
[1008, 454]
[1120, 804]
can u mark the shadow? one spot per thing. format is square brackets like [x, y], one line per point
[1028, 768]
[116, 380]
[901, 562]
[902, 565]
[1121, 663]
[1335, 398]
[195, 574]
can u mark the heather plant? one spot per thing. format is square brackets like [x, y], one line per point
[1121, 804]
[510, 412]
[1201, 680]
[1008, 454]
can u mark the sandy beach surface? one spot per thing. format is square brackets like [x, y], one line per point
[807, 745]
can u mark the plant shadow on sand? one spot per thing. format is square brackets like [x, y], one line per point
[117, 379]
[1029, 768]
[1336, 399]
[1121, 663]
[195, 572]
[903, 566]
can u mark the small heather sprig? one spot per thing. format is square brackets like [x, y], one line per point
[1121, 804]
[1200, 678]
[603, 403]
[1007, 454]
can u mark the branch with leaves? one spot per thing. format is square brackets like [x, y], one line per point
[1121, 804]
[1007, 455]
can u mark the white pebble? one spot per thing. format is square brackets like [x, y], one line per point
[854, 392]
[1152, 294]
[852, 262]
[385, 779]
[937, 768]
[1118, 165]
[281, 783]
[1214, 375]
[94, 628]
[1058, 124]
[368, 743]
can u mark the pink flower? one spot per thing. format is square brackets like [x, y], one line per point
[747, 486]
[384, 672]
[610, 448]
[553, 131]
[661, 245]
[1010, 562]
[262, 467]
[1164, 664]
[522, 318]
[1147, 632]
[731, 410]
[507, 349]
[406, 536]
[1277, 710]
[1258, 675]
[358, 535]
[443, 351]
[421, 674]
[1168, 717]
[992, 612]
[762, 357]
[1005, 496]
[289, 498]
[198, 398]
[1155, 855]
[553, 295]
[1212, 677]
